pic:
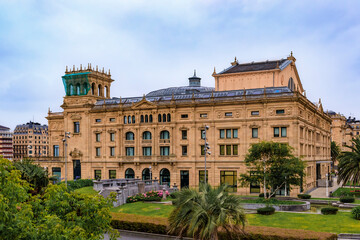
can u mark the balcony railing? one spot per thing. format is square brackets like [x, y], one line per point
[164, 140]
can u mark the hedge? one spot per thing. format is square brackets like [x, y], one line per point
[158, 225]
[266, 210]
[347, 199]
[80, 183]
[261, 195]
[329, 210]
[304, 196]
[355, 212]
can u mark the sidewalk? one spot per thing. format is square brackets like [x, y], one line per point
[321, 191]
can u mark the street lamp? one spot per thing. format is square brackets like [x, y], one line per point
[67, 135]
[206, 148]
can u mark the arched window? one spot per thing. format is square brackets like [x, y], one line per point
[100, 90]
[129, 119]
[159, 118]
[146, 118]
[133, 119]
[107, 91]
[291, 84]
[129, 136]
[164, 135]
[125, 119]
[71, 90]
[85, 88]
[142, 118]
[164, 177]
[164, 117]
[93, 88]
[78, 89]
[150, 119]
[147, 135]
[146, 174]
[169, 117]
[129, 173]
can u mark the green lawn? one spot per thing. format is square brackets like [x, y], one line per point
[339, 223]
[145, 209]
[87, 191]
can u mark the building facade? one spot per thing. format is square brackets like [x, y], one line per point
[162, 133]
[6, 148]
[30, 140]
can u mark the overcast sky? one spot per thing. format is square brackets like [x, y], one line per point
[156, 44]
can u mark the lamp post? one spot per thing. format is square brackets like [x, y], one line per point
[206, 148]
[67, 135]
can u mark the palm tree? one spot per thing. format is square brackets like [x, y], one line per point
[203, 214]
[335, 152]
[349, 163]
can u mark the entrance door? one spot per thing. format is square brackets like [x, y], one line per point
[318, 171]
[77, 169]
[184, 179]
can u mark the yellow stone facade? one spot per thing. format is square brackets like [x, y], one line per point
[236, 116]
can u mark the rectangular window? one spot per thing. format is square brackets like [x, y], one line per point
[254, 132]
[228, 114]
[202, 134]
[112, 119]
[56, 172]
[235, 133]
[97, 136]
[222, 150]
[183, 134]
[229, 178]
[146, 151]
[203, 115]
[228, 149]
[276, 132]
[254, 113]
[184, 150]
[235, 149]
[98, 120]
[76, 127]
[222, 133]
[56, 150]
[164, 151]
[202, 150]
[254, 186]
[129, 151]
[98, 152]
[97, 174]
[112, 174]
[228, 133]
[112, 151]
[184, 116]
[280, 111]
[112, 137]
[202, 176]
[283, 132]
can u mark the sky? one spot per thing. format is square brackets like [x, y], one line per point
[155, 44]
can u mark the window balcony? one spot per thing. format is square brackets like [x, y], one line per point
[164, 140]
[129, 142]
[146, 141]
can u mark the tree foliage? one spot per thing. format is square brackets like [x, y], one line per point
[335, 151]
[349, 163]
[273, 165]
[202, 214]
[58, 214]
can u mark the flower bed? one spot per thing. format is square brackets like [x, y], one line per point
[148, 196]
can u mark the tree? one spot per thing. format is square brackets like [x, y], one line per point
[349, 163]
[202, 214]
[274, 165]
[335, 152]
[32, 173]
[58, 214]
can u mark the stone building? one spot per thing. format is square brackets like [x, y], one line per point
[161, 134]
[30, 140]
[6, 149]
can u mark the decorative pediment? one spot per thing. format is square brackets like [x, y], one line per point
[97, 131]
[111, 131]
[75, 117]
[144, 104]
[76, 153]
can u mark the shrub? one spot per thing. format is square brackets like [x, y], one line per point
[347, 199]
[173, 195]
[329, 210]
[261, 195]
[139, 226]
[304, 196]
[355, 212]
[266, 210]
[80, 183]
[148, 196]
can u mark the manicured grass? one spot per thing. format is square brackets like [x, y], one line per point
[339, 223]
[86, 190]
[344, 191]
[271, 201]
[357, 200]
[145, 209]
